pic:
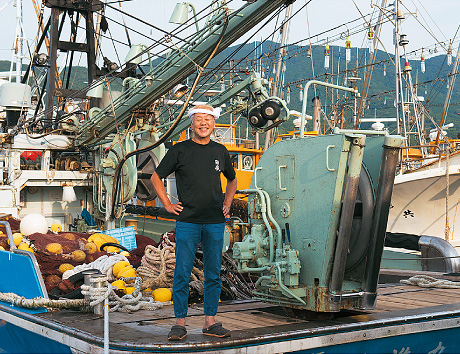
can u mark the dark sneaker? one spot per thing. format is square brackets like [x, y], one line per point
[177, 333]
[216, 330]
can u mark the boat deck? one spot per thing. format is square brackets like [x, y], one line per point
[266, 327]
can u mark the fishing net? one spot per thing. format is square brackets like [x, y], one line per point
[155, 262]
[58, 252]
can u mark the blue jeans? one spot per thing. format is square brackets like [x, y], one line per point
[188, 237]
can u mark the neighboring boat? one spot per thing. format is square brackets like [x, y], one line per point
[426, 193]
[425, 201]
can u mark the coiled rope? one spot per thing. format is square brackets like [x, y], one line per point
[158, 263]
[127, 303]
[104, 264]
[426, 281]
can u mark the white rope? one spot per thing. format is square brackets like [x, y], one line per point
[104, 264]
[426, 281]
[126, 303]
[447, 227]
[21, 301]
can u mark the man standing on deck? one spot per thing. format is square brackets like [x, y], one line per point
[202, 209]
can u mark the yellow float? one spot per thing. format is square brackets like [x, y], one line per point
[56, 227]
[119, 266]
[162, 294]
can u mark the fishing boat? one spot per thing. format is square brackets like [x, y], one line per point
[349, 313]
[316, 226]
[406, 318]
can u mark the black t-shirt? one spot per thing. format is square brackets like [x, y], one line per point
[198, 169]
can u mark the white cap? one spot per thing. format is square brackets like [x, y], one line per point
[215, 112]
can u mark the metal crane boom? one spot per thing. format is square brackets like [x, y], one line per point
[178, 64]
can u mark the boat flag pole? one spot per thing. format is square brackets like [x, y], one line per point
[284, 28]
[448, 96]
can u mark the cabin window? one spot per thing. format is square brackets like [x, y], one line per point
[248, 162]
[234, 159]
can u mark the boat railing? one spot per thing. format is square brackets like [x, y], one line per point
[408, 164]
[227, 135]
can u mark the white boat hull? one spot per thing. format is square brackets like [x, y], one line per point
[418, 204]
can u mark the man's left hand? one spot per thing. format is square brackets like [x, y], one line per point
[226, 210]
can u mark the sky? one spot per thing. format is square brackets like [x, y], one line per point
[429, 23]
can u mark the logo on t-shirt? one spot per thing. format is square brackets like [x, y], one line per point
[217, 168]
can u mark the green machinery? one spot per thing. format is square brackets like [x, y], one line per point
[318, 209]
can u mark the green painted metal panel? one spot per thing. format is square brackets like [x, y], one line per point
[304, 178]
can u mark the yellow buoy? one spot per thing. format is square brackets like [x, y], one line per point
[129, 290]
[130, 272]
[120, 284]
[54, 248]
[68, 236]
[78, 255]
[56, 227]
[25, 247]
[17, 238]
[90, 247]
[162, 294]
[65, 267]
[118, 267]
[111, 249]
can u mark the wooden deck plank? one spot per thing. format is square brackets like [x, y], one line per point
[447, 292]
[399, 289]
[424, 297]
[242, 305]
[233, 324]
[405, 274]
[388, 305]
[405, 300]
[147, 315]
[258, 319]
[437, 295]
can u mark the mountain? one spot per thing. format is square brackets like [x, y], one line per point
[381, 96]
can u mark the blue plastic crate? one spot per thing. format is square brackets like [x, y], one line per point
[125, 235]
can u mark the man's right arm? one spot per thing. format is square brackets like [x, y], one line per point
[161, 192]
